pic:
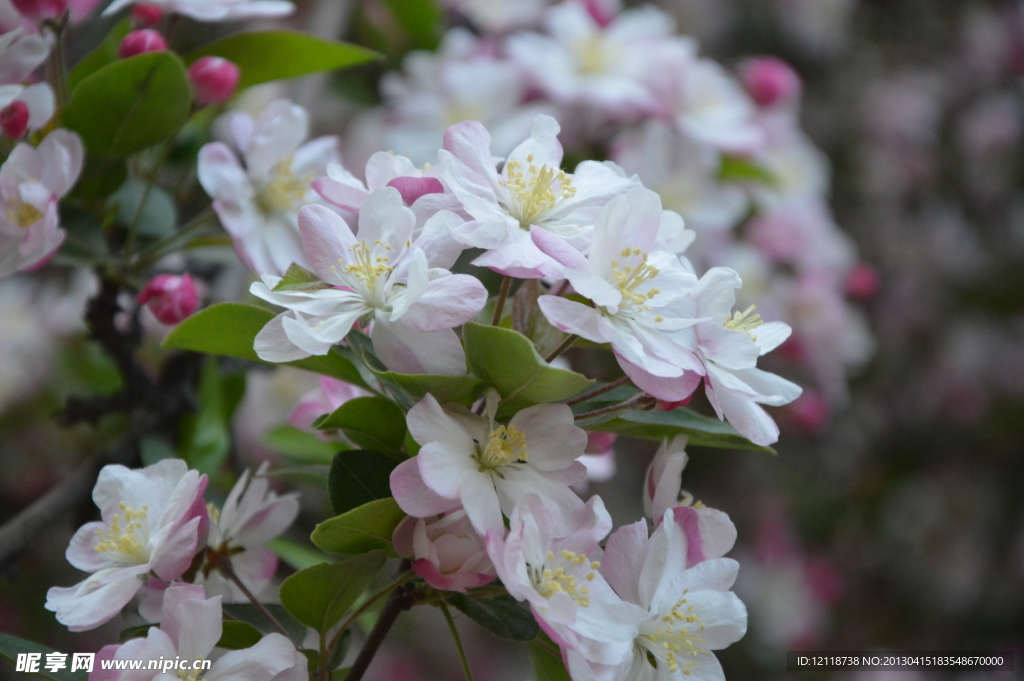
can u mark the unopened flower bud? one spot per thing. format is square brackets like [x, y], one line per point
[599, 443]
[14, 119]
[143, 40]
[171, 298]
[810, 412]
[862, 283]
[769, 80]
[145, 15]
[40, 10]
[214, 80]
[664, 405]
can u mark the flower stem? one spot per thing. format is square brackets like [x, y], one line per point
[57, 69]
[562, 347]
[607, 387]
[642, 400]
[499, 305]
[224, 565]
[366, 606]
[458, 641]
[150, 183]
[400, 599]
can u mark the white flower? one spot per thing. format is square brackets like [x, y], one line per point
[214, 10]
[446, 551]
[381, 273]
[32, 180]
[487, 467]
[258, 204]
[498, 16]
[20, 54]
[530, 199]
[151, 522]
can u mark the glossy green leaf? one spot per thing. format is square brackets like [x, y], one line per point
[362, 529]
[104, 53]
[301, 447]
[508, 361]
[238, 635]
[546, 666]
[138, 631]
[298, 278]
[501, 616]
[370, 422]
[247, 612]
[320, 596]
[130, 104]
[264, 56]
[359, 477]
[11, 646]
[409, 389]
[738, 169]
[229, 329]
[420, 19]
[207, 433]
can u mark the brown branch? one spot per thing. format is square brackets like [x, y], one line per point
[402, 598]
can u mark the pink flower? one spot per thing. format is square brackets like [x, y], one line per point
[146, 15]
[25, 108]
[140, 41]
[39, 10]
[32, 180]
[170, 297]
[331, 394]
[14, 119]
[214, 80]
[448, 552]
[770, 81]
[152, 521]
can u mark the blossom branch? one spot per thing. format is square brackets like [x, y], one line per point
[562, 347]
[458, 641]
[642, 401]
[607, 387]
[405, 577]
[224, 565]
[499, 305]
[401, 599]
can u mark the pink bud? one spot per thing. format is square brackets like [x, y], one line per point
[770, 80]
[861, 284]
[662, 405]
[14, 119]
[143, 40]
[145, 15]
[171, 298]
[810, 412]
[599, 443]
[214, 80]
[40, 10]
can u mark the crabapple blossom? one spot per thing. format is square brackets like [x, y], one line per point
[446, 551]
[531, 198]
[171, 298]
[21, 52]
[190, 627]
[487, 467]
[770, 81]
[153, 520]
[214, 79]
[258, 203]
[14, 119]
[690, 610]
[32, 180]
[214, 10]
[560, 580]
[140, 41]
[331, 394]
[381, 273]
[40, 10]
[25, 108]
[145, 15]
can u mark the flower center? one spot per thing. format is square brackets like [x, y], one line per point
[365, 265]
[535, 190]
[456, 112]
[128, 542]
[505, 445]
[745, 321]
[24, 214]
[629, 277]
[591, 53]
[189, 674]
[550, 579]
[283, 190]
[674, 635]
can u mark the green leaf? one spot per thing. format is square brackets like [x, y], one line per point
[105, 53]
[298, 278]
[130, 104]
[238, 635]
[229, 329]
[370, 422]
[320, 596]
[508, 361]
[301, 447]
[410, 388]
[547, 667]
[299, 556]
[264, 56]
[207, 433]
[247, 612]
[10, 646]
[739, 169]
[138, 631]
[359, 477]
[362, 529]
[420, 19]
[159, 215]
[501, 615]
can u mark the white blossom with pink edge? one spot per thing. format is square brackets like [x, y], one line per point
[380, 273]
[32, 180]
[446, 551]
[487, 467]
[214, 10]
[690, 610]
[530, 199]
[153, 520]
[258, 203]
[252, 515]
[331, 394]
[25, 108]
[190, 628]
[559, 578]
[21, 52]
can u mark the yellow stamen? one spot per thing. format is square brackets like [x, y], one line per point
[24, 214]
[126, 540]
[505, 445]
[671, 641]
[628, 277]
[745, 321]
[366, 268]
[283, 190]
[535, 190]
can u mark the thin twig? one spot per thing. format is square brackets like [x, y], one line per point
[458, 641]
[562, 347]
[499, 305]
[607, 387]
[560, 289]
[401, 599]
[150, 183]
[640, 400]
[366, 606]
[224, 565]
